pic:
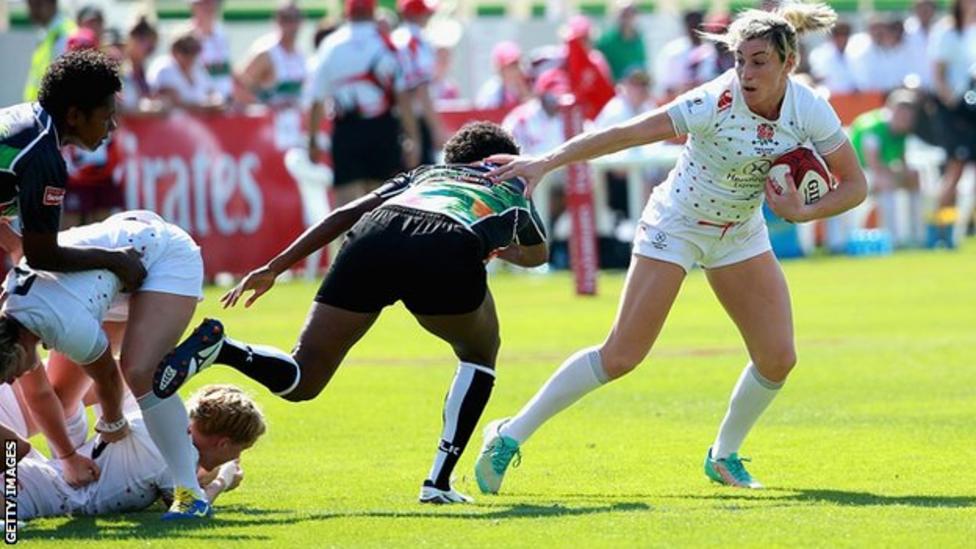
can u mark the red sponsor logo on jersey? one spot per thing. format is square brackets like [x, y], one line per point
[725, 100]
[53, 196]
[765, 132]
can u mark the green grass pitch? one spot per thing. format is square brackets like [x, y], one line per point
[871, 443]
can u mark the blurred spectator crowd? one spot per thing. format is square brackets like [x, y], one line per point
[375, 73]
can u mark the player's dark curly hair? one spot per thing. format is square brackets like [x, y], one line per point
[476, 141]
[83, 79]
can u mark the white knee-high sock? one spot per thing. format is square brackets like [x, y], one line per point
[580, 374]
[168, 426]
[751, 396]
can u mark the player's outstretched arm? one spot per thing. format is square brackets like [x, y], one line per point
[651, 127]
[260, 280]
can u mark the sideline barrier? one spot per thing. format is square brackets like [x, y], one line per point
[222, 177]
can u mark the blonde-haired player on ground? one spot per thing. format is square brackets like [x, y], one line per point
[223, 423]
[707, 212]
[67, 312]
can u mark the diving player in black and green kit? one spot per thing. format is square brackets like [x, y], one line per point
[422, 238]
[76, 105]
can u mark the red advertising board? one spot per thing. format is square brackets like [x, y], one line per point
[220, 177]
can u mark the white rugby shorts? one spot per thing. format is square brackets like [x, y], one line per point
[667, 234]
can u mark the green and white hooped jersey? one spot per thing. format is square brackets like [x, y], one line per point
[289, 75]
[215, 58]
[499, 214]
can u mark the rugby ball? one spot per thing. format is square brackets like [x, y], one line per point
[809, 173]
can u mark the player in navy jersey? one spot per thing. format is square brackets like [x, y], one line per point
[707, 212]
[76, 105]
[422, 238]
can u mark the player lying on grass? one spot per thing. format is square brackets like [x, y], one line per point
[65, 311]
[707, 213]
[223, 423]
[422, 238]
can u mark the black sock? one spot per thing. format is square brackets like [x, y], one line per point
[463, 406]
[270, 367]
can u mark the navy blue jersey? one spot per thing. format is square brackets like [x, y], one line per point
[33, 175]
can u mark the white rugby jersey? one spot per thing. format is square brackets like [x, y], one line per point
[134, 475]
[359, 69]
[215, 58]
[534, 130]
[165, 73]
[65, 310]
[416, 54]
[721, 174]
[289, 70]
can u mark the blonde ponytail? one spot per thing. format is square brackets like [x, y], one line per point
[807, 18]
[780, 27]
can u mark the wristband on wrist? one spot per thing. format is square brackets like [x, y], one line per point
[103, 426]
[226, 474]
[69, 454]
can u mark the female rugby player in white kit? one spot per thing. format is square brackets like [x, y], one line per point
[707, 212]
[66, 311]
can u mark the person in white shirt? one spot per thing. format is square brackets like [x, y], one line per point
[687, 61]
[877, 57]
[509, 87]
[179, 80]
[828, 64]
[274, 71]
[66, 311]
[223, 423]
[707, 213]
[537, 126]
[918, 32]
[633, 99]
[214, 45]
[419, 62]
[139, 47]
[360, 74]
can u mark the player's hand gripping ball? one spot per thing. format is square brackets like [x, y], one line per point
[809, 173]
